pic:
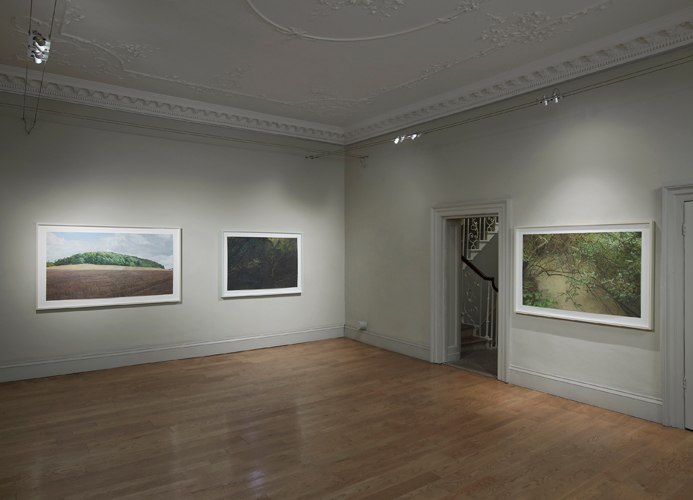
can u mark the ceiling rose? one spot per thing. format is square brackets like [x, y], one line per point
[357, 20]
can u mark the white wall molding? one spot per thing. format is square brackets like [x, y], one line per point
[413, 349]
[100, 361]
[664, 34]
[672, 303]
[100, 95]
[636, 405]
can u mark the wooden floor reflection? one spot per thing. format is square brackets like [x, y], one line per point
[333, 419]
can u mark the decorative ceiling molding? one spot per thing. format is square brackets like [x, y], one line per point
[111, 59]
[376, 7]
[379, 8]
[122, 99]
[665, 34]
[533, 27]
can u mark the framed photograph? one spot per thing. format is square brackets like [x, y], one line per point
[90, 266]
[260, 264]
[598, 274]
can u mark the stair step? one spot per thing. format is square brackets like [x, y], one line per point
[472, 340]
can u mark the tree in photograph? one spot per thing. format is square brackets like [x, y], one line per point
[262, 263]
[606, 266]
[107, 259]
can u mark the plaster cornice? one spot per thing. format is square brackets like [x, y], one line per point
[664, 34]
[67, 89]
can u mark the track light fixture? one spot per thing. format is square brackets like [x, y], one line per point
[401, 138]
[555, 97]
[39, 47]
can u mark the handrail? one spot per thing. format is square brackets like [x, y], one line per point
[480, 273]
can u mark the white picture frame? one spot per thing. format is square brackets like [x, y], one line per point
[261, 264]
[568, 287]
[102, 266]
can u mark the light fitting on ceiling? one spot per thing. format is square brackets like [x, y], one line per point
[401, 138]
[39, 47]
[555, 97]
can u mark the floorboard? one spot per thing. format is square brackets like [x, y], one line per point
[327, 420]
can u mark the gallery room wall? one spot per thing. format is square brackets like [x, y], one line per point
[599, 157]
[82, 174]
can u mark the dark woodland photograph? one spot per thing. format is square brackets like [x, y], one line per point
[257, 263]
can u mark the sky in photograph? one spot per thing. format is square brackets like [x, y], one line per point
[156, 247]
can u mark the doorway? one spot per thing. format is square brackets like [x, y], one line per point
[477, 297]
[448, 291]
[675, 306]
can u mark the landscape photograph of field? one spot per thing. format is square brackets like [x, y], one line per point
[87, 266]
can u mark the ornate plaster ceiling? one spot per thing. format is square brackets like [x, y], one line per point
[338, 71]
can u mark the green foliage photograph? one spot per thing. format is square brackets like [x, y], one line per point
[257, 263]
[598, 272]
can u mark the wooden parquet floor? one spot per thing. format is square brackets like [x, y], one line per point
[325, 420]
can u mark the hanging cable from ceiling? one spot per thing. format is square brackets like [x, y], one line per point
[38, 50]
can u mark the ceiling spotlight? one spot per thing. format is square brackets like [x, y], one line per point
[555, 97]
[401, 138]
[38, 47]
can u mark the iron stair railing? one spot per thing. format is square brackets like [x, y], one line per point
[480, 292]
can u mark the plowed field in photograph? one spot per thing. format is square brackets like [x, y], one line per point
[88, 281]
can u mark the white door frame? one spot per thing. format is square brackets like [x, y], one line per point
[442, 302]
[672, 305]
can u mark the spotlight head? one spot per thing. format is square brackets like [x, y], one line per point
[38, 47]
[396, 141]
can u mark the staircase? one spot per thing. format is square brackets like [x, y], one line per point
[478, 307]
[476, 233]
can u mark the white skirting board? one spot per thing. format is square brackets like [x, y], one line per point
[636, 405]
[412, 349]
[101, 361]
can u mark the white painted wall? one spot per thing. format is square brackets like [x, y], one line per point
[487, 259]
[598, 157]
[77, 174]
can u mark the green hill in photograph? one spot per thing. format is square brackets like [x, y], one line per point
[105, 259]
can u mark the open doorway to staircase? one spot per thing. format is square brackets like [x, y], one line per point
[477, 295]
[446, 288]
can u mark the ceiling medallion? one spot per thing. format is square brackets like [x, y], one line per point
[379, 9]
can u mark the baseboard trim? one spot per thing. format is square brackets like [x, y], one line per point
[100, 361]
[419, 351]
[636, 405]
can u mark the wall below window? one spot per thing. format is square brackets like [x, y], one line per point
[68, 172]
[599, 157]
